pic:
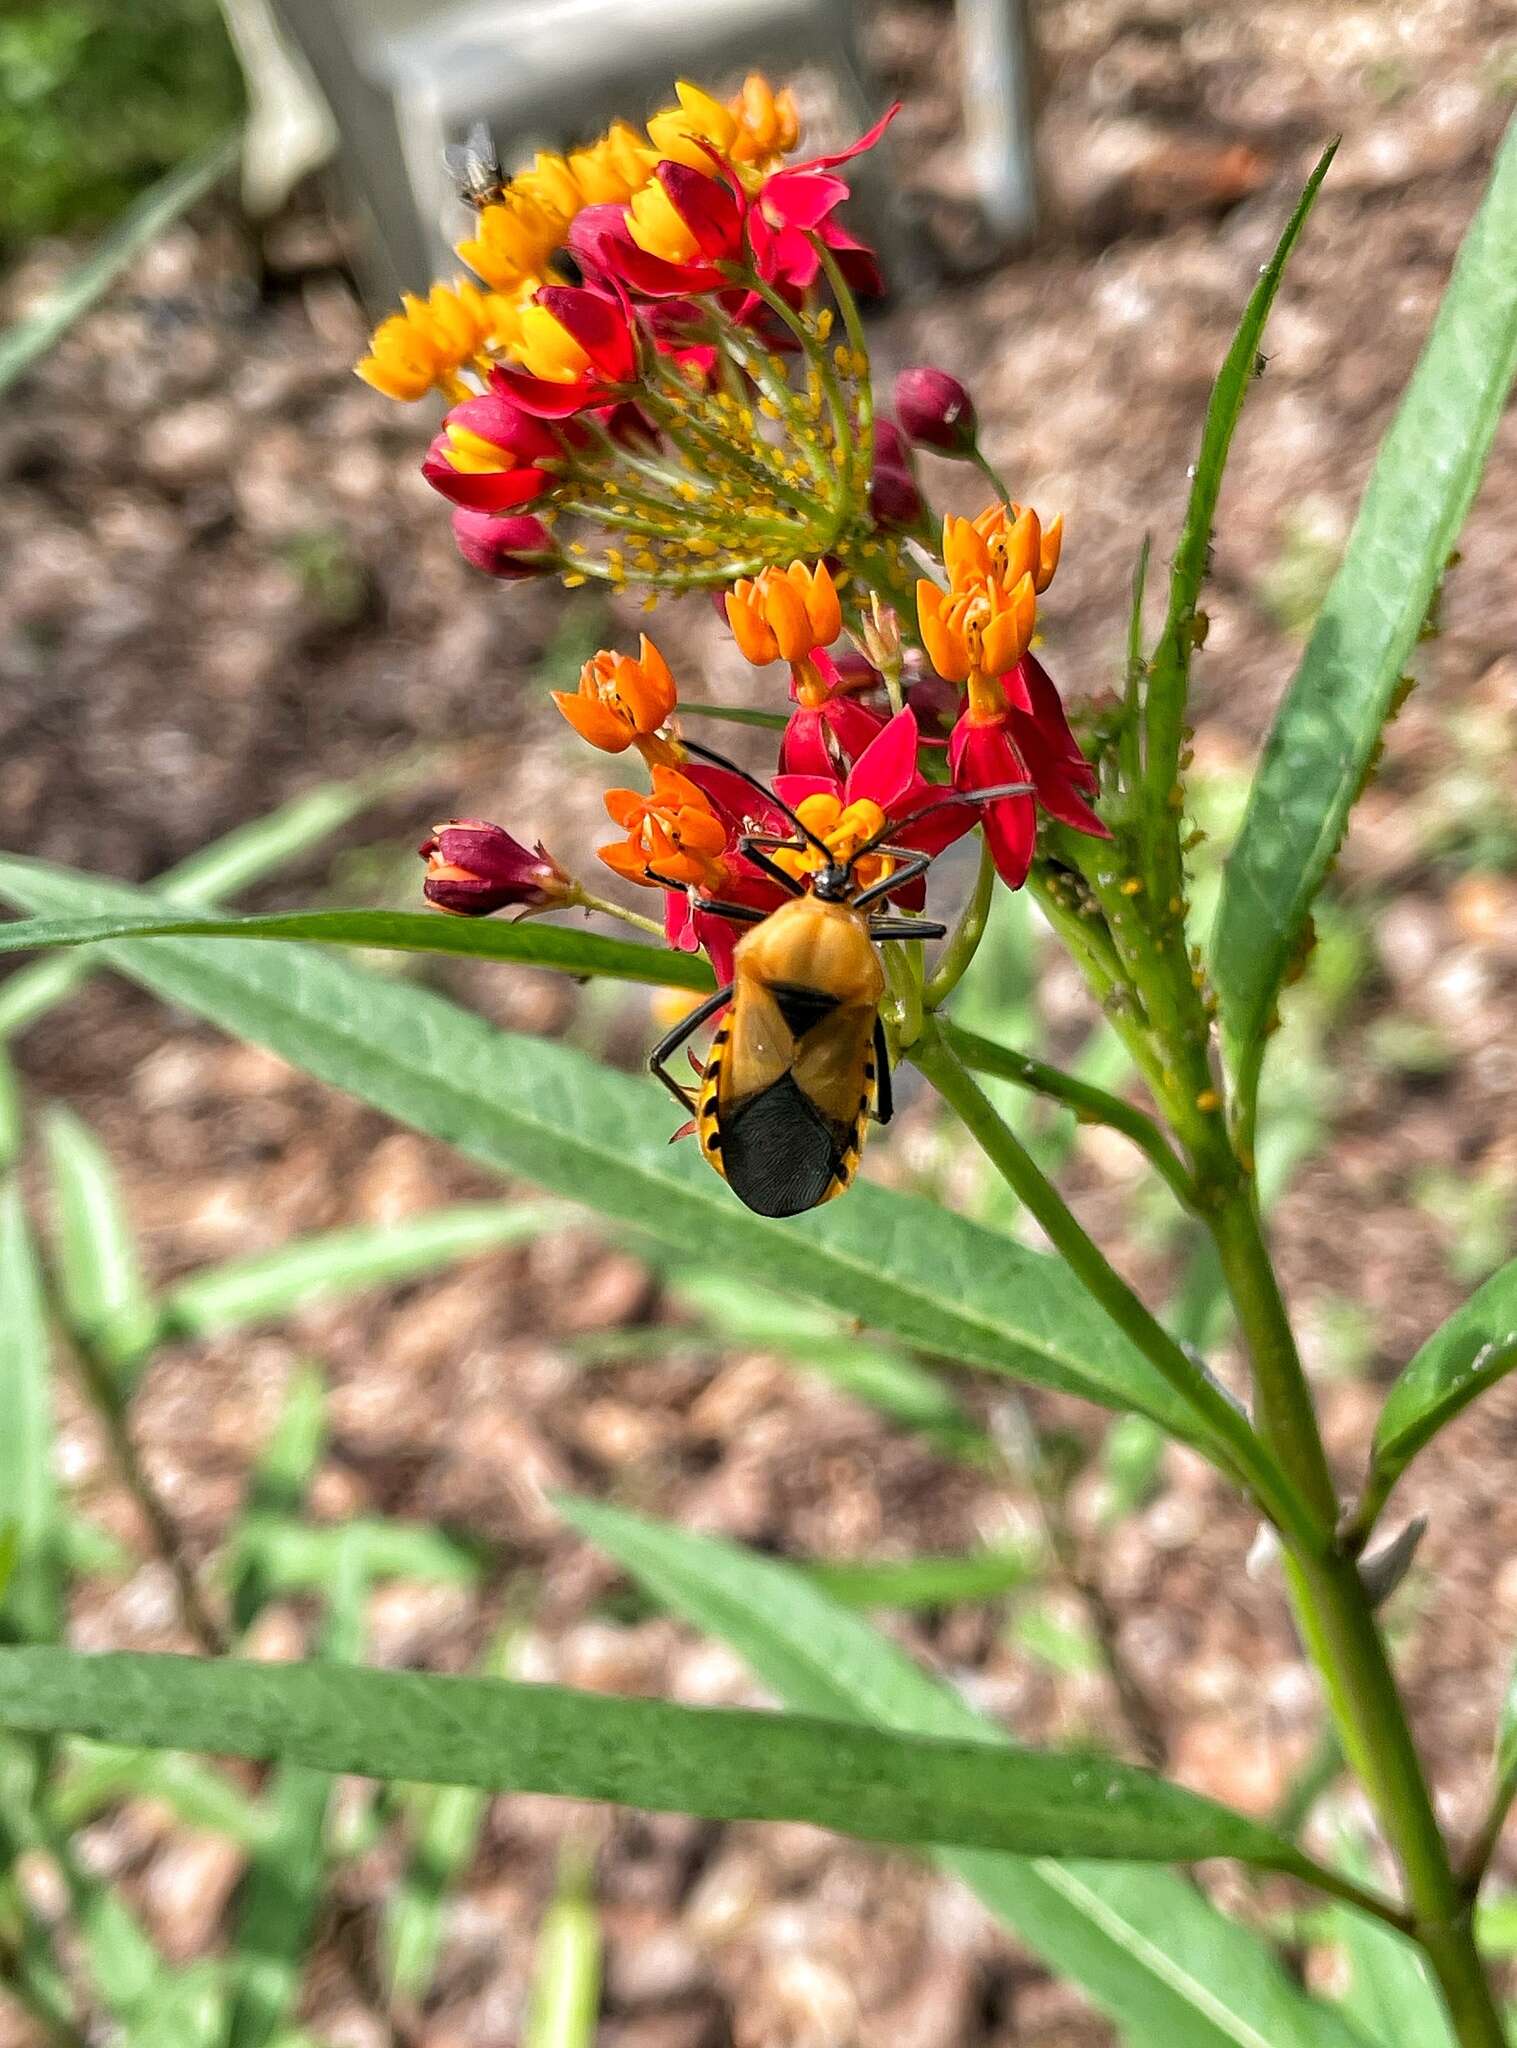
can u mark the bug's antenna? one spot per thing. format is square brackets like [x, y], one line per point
[720, 761]
[942, 803]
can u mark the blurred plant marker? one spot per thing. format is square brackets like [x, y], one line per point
[695, 417]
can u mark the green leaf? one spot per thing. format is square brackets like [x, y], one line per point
[161, 205]
[1169, 669]
[293, 1557]
[929, 1581]
[274, 1284]
[276, 1490]
[1475, 1348]
[1142, 1943]
[716, 1763]
[98, 1775]
[735, 714]
[565, 2000]
[545, 1112]
[565, 948]
[1324, 736]
[226, 866]
[103, 1293]
[32, 1603]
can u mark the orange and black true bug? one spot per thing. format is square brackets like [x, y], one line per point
[800, 1063]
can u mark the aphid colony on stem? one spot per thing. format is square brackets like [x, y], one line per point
[697, 414]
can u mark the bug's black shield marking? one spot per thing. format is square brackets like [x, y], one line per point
[801, 1007]
[780, 1154]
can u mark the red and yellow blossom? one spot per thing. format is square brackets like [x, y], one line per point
[622, 702]
[425, 346]
[675, 838]
[487, 455]
[784, 614]
[475, 868]
[571, 348]
[1014, 732]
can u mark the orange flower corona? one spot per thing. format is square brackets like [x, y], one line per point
[674, 837]
[424, 347]
[784, 614]
[982, 625]
[622, 702]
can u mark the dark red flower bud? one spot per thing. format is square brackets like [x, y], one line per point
[935, 410]
[508, 548]
[474, 867]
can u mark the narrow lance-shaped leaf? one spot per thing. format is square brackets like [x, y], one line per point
[31, 1602]
[1322, 743]
[1169, 668]
[566, 948]
[1468, 1354]
[1143, 1944]
[543, 1111]
[716, 1763]
[274, 1284]
[104, 1295]
[276, 1489]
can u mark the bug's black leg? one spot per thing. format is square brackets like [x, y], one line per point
[884, 1094]
[912, 865]
[673, 1040]
[735, 913]
[751, 849]
[906, 928]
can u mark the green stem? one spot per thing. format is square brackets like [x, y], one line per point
[1338, 1625]
[633, 917]
[106, 1398]
[964, 940]
[1478, 1857]
[991, 475]
[1090, 1104]
[1226, 1428]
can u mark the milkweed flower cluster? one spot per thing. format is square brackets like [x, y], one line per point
[657, 380]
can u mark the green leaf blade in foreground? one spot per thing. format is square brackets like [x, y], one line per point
[1467, 1355]
[1142, 1943]
[715, 1763]
[1322, 743]
[564, 948]
[525, 1107]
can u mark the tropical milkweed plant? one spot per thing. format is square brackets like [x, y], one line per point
[657, 380]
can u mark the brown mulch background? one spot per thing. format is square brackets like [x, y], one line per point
[221, 579]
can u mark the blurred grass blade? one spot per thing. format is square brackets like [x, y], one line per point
[1169, 668]
[929, 1581]
[446, 1823]
[275, 1284]
[894, 1385]
[104, 1295]
[12, 1114]
[1462, 1359]
[565, 2001]
[31, 1607]
[97, 1775]
[526, 1107]
[226, 866]
[1143, 1944]
[565, 948]
[276, 1490]
[159, 207]
[1324, 737]
[714, 1763]
[287, 1872]
[294, 1557]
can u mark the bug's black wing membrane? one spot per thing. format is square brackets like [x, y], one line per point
[780, 1154]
